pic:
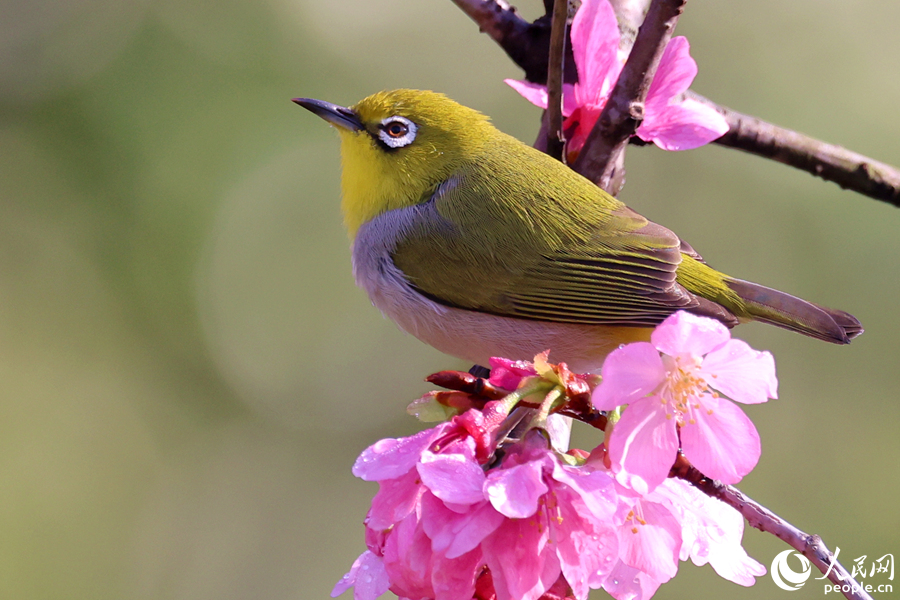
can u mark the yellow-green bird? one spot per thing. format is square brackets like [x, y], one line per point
[481, 246]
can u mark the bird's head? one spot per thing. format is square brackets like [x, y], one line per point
[397, 145]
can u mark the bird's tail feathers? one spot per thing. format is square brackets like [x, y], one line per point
[783, 310]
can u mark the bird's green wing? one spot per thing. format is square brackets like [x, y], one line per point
[563, 251]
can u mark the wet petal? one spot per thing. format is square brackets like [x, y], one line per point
[452, 477]
[629, 373]
[392, 457]
[741, 373]
[651, 546]
[367, 576]
[523, 565]
[454, 534]
[396, 498]
[722, 442]
[515, 491]
[644, 444]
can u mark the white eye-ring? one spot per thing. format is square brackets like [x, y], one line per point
[397, 132]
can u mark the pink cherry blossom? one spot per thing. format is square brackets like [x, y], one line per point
[672, 386]
[457, 518]
[559, 521]
[671, 121]
[507, 374]
[711, 531]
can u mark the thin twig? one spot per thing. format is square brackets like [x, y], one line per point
[758, 516]
[600, 159]
[848, 169]
[555, 138]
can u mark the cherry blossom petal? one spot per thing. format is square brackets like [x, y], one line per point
[595, 489]
[537, 94]
[570, 99]
[736, 565]
[392, 457]
[367, 577]
[674, 75]
[395, 499]
[711, 532]
[522, 563]
[684, 333]
[506, 373]
[722, 442]
[454, 578]
[741, 373]
[515, 491]
[533, 92]
[685, 125]
[586, 547]
[654, 545]
[644, 444]
[595, 45]
[452, 477]
[454, 534]
[629, 373]
[627, 583]
[407, 559]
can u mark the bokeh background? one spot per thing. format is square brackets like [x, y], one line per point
[188, 370]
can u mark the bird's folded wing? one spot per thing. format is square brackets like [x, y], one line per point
[572, 261]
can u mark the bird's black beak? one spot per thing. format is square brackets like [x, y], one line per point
[334, 114]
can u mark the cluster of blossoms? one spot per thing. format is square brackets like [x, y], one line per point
[671, 121]
[464, 512]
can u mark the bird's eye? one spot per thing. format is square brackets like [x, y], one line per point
[397, 131]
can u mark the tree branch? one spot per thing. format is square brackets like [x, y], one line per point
[556, 141]
[758, 516]
[848, 169]
[601, 158]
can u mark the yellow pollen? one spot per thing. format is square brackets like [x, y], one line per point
[709, 412]
[634, 530]
[669, 416]
[692, 422]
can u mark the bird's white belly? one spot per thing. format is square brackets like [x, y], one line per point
[475, 336]
[469, 335]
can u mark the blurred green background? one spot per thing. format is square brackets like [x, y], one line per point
[188, 369]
